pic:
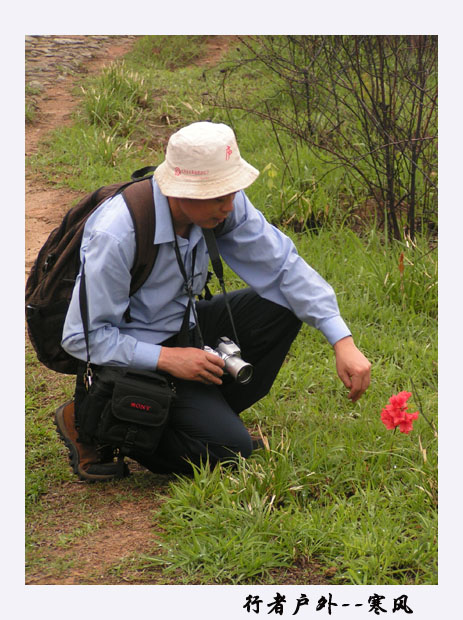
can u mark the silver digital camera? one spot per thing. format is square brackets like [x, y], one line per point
[240, 370]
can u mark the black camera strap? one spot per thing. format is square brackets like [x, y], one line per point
[214, 255]
[183, 334]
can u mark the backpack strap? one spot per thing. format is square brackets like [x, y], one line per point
[147, 171]
[140, 202]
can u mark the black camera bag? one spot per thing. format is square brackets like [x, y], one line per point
[125, 409]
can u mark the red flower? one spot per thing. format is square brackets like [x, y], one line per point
[396, 414]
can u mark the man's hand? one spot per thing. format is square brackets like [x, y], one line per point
[191, 364]
[353, 367]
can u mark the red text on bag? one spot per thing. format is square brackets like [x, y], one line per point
[140, 406]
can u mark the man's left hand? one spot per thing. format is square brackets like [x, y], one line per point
[352, 367]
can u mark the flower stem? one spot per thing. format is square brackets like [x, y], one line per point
[391, 446]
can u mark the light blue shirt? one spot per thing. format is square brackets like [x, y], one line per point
[264, 257]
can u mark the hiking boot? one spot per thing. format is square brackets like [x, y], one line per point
[88, 461]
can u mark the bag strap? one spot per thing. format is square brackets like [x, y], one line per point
[140, 202]
[83, 304]
[142, 173]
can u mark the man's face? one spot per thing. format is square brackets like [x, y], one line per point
[204, 213]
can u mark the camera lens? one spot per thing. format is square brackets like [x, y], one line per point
[244, 375]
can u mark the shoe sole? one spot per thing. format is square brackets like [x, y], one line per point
[73, 454]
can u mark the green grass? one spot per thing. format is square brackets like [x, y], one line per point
[116, 101]
[167, 51]
[336, 488]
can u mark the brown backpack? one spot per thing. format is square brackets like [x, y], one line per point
[51, 280]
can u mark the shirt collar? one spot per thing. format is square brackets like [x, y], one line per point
[164, 232]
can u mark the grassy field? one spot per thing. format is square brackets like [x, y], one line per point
[336, 493]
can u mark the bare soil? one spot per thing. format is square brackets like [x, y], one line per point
[87, 534]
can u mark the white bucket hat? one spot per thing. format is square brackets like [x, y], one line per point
[203, 161]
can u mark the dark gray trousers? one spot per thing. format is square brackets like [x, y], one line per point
[204, 421]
